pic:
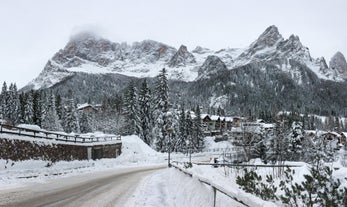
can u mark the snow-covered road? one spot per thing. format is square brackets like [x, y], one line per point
[109, 188]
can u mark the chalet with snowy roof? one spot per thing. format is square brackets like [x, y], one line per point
[206, 122]
[229, 122]
[247, 130]
[310, 133]
[327, 136]
[97, 106]
[86, 108]
[330, 136]
[333, 139]
[216, 120]
[236, 121]
[216, 125]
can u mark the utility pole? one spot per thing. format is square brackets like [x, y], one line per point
[190, 151]
[169, 130]
[188, 142]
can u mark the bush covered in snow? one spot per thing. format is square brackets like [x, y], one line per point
[318, 188]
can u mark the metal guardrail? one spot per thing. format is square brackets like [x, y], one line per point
[237, 165]
[9, 129]
[243, 165]
[214, 187]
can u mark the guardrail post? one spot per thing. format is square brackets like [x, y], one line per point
[214, 196]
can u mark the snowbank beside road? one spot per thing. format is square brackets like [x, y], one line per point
[134, 150]
[134, 153]
[172, 188]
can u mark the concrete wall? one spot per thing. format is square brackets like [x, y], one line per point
[43, 150]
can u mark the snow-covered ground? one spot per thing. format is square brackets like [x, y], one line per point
[172, 188]
[162, 187]
[224, 178]
[135, 153]
[166, 187]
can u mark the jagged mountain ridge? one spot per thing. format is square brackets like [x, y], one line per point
[92, 54]
[271, 74]
[339, 64]
[182, 57]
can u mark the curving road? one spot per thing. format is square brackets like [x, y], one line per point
[111, 188]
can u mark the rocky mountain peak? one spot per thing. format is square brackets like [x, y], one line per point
[212, 65]
[86, 42]
[151, 51]
[268, 38]
[293, 48]
[293, 43]
[323, 63]
[338, 63]
[323, 66]
[266, 42]
[181, 57]
[85, 47]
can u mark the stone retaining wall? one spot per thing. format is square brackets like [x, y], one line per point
[12, 149]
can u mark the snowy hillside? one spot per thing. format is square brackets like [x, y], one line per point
[92, 54]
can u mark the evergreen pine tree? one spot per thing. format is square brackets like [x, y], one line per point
[145, 113]
[22, 104]
[161, 106]
[270, 143]
[182, 133]
[277, 143]
[28, 109]
[131, 111]
[13, 104]
[36, 107]
[59, 106]
[198, 137]
[70, 121]
[50, 120]
[4, 102]
[189, 130]
[296, 137]
[85, 122]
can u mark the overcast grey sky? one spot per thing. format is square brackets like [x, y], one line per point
[32, 31]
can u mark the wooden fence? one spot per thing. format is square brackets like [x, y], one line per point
[42, 134]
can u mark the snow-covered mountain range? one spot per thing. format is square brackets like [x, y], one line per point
[92, 54]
